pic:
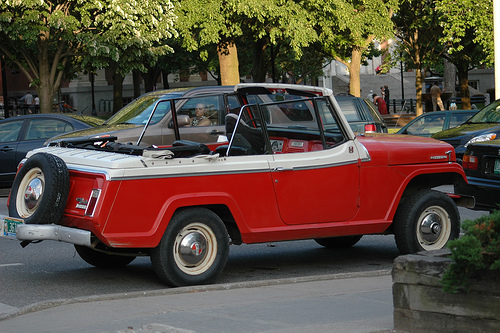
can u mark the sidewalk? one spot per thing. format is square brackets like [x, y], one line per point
[357, 302]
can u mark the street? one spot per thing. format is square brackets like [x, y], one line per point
[53, 270]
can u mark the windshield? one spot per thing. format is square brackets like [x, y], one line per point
[489, 114]
[138, 111]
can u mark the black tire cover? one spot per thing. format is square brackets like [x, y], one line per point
[54, 193]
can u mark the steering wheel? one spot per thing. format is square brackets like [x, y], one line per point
[254, 121]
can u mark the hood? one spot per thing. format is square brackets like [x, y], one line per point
[408, 149]
[467, 130]
[95, 131]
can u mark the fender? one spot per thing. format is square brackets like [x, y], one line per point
[151, 238]
[410, 172]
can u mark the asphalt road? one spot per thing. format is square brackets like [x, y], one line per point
[53, 270]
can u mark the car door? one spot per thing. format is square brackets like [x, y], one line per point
[317, 186]
[10, 132]
[38, 131]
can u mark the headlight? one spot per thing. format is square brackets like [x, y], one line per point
[484, 137]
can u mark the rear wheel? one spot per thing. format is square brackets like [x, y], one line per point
[425, 221]
[40, 190]
[193, 250]
[338, 242]
[101, 259]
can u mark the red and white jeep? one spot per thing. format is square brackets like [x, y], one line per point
[291, 169]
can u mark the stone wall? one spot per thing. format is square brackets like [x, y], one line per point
[420, 305]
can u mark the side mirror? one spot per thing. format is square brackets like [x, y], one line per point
[183, 121]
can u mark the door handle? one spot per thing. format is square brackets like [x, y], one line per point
[6, 148]
[215, 132]
[280, 169]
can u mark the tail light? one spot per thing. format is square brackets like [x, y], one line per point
[370, 128]
[94, 197]
[470, 162]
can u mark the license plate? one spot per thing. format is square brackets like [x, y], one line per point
[9, 226]
[496, 168]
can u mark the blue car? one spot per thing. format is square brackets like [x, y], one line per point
[18, 135]
[430, 123]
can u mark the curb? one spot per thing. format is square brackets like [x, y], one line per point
[185, 290]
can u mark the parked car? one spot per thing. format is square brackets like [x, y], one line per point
[484, 126]
[128, 123]
[362, 114]
[291, 169]
[481, 163]
[432, 122]
[18, 135]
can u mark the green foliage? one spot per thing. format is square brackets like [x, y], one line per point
[47, 40]
[475, 253]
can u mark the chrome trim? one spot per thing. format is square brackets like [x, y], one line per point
[193, 174]
[37, 232]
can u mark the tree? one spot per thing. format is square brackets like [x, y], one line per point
[418, 32]
[45, 38]
[467, 32]
[222, 22]
[347, 28]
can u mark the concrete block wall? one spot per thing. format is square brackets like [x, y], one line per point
[420, 305]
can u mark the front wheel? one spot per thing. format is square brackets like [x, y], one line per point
[193, 250]
[425, 221]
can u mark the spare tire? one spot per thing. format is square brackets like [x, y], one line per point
[40, 190]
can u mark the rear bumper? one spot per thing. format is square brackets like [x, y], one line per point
[486, 193]
[36, 232]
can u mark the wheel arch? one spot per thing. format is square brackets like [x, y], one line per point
[221, 204]
[424, 181]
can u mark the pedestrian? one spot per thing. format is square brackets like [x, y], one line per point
[387, 98]
[370, 96]
[436, 97]
[380, 103]
[27, 102]
[37, 104]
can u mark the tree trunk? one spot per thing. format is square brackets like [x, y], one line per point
[117, 91]
[354, 70]
[463, 81]
[259, 69]
[166, 85]
[45, 89]
[449, 77]
[228, 60]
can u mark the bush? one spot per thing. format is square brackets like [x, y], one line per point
[475, 254]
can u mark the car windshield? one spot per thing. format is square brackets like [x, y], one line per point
[489, 114]
[138, 111]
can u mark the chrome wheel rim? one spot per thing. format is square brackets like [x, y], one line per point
[195, 249]
[433, 228]
[30, 192]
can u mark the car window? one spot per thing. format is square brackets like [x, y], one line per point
[427, 125]
[457, 119]
[348, 109]
[489, 114]
[9, 131]
[47, 128]
[203, 111]
[138, 111]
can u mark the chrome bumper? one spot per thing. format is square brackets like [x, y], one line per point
[35, 232]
